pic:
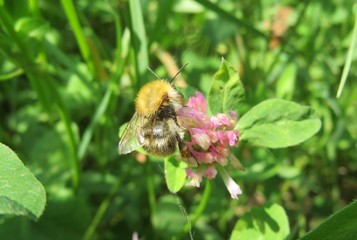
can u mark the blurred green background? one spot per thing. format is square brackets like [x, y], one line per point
[69, 72]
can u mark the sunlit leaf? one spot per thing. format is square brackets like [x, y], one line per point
[227, 90]
[341, 225]
[175, 174]
[269, 222]
[20, 192]
[277, 123]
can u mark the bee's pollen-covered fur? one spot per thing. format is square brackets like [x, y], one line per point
[151, 96]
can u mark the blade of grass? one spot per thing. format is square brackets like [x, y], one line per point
[14, 73]
[231, 18]
[33, 6]
[112, 88]
[26, 61]
[8, 23]
[348, 61]
[118, 40]
[44, 86]
[139, 40]
[103, 207]
[65, 118]
[72, 16]
[88, 133]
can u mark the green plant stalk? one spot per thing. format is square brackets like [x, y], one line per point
[201, 207]
[103, 207]
[203, 202]
[47, 85]
[72, 146]
[8, 24]
[118, 38]
[348, 61]
[45, 89]
[14, 73]
[78, 33]
[26, 63]
[139, 41]
[88, 133]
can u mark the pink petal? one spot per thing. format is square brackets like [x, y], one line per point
[204, 157]
[211, 172]
[228, 137]
[233, 116]
[220, 120]
[190, 118]
[135, 236]
[196, 177]
[200, 137]
[231, 185]
[198, 102]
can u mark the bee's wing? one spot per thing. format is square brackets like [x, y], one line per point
[131, 138]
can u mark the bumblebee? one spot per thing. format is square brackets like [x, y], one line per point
[154, 125]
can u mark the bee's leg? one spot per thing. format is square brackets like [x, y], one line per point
[175, 119]
[184, 150]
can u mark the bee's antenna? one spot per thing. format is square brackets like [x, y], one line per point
[157, 77]
[178, 72]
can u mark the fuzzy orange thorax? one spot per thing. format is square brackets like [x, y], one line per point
[151, 97]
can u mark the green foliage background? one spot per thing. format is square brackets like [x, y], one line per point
[69, 72]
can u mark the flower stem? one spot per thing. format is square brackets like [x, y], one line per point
[200, 209]
[101, 211]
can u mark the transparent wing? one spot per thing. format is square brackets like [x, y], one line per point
[129, 140]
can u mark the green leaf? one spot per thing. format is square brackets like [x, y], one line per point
[175, 174]
[277, 123]
[341, 225]
[227, 90]
[20, 192]
[267, 222]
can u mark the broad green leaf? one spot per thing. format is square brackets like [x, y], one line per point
[20, 192]
[268, 222]
[341, 225]
[227, 90]
[277, 123]
[175, 174]
[66, 216]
